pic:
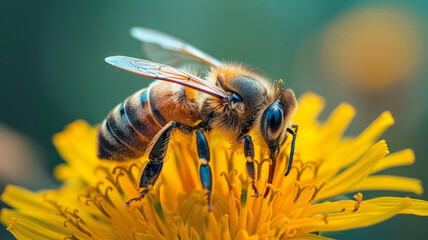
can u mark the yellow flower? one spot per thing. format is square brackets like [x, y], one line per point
[90, 204]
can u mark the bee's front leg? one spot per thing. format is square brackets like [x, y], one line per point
[293, 142]
[205, 169]
[249, 155]
[274, 153]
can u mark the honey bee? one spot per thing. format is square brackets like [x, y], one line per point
[230, 97]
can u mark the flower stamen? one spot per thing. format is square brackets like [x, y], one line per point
[300, 190]
[106, 190]
[71, 237]
[109, 177]
[316, 165]
[259, 167]
[96, 201]
[358, 200]
[317, 190]
[128, 171]
[157, 191]
[74, 214]
[229, 178]
[301, 170]
[273, 194]
[75, 223]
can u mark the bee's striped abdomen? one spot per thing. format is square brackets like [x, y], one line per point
[131, 126]
[128, 129]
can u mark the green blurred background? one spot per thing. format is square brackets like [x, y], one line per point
[371, 54]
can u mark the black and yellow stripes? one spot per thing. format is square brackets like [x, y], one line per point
[130, 127]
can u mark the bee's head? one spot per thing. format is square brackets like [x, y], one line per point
[246, 97]
[275, 120]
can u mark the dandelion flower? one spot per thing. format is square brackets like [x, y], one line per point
[90, 204]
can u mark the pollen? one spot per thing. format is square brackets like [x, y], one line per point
[91, 202]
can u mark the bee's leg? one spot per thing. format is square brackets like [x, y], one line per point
[150, 175]
[290, 161]
[156, 156]
[249, 155]
[295, 126]
[205, 169]
[274, 154]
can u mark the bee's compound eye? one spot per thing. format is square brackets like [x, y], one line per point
[272, 123]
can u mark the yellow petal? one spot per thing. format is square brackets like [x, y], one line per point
[20, 198]
[403, 157]
[356, 173]
[310, 106]
[348, 220]
[363, 142]
[391, 183]
[417, 207]
[48, 223]
[24, 229]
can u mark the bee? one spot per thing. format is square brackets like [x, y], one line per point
[231, 98]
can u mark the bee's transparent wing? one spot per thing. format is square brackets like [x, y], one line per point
[161, 47]
[166, 73]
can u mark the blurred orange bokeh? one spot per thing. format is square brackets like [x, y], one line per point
[371, 48]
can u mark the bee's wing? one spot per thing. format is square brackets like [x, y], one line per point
[161, 47]
[166, 73]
